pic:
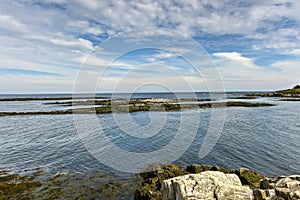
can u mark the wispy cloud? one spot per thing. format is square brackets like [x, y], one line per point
[4, 71]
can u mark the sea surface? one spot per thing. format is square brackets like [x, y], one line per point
[265, 139]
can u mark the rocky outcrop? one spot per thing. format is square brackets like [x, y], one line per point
[213, 182]
[250, 177]
[152, 180]
[205, 185]
[293, 92]
[151, 188]
[279, 188]
[279, 94]
[217, 185]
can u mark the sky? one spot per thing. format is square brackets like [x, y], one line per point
[62, 46]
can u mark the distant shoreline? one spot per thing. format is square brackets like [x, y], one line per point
[72, 95]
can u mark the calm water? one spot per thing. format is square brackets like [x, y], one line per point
[266, 139]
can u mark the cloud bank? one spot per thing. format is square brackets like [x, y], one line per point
[255, 44]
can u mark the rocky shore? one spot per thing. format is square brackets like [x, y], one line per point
[293, 92]
[136, 105]
[170, 182]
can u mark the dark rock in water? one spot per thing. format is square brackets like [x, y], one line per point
[250, 177]
[290, 99]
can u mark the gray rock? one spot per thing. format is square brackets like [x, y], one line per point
[292, 184]
[271, 193]
[282, 182]
[205, 185]
[283, 192]
[234, 192]
[295, 177]
[295, 195]
[259, 194]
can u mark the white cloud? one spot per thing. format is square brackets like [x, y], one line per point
[8, 23]
[281, 39]
[235, 59]
[240, 73]
[294, 52]
[232, 56]
[91, 4]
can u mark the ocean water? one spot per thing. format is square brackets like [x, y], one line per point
[265, 139]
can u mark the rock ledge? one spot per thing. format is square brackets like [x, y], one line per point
[206, 185]
[195, 182]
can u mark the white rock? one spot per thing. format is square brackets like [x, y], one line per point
[206, 185]
[292, 184]
[227, 192]
[282, 182]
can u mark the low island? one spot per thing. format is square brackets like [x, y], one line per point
[136, 105]
[289, 93]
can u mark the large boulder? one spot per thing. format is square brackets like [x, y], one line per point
[205, 185]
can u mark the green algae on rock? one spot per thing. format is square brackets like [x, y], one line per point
[39, 184]
[250, 177]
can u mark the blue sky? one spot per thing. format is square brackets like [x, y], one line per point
[253, 45]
